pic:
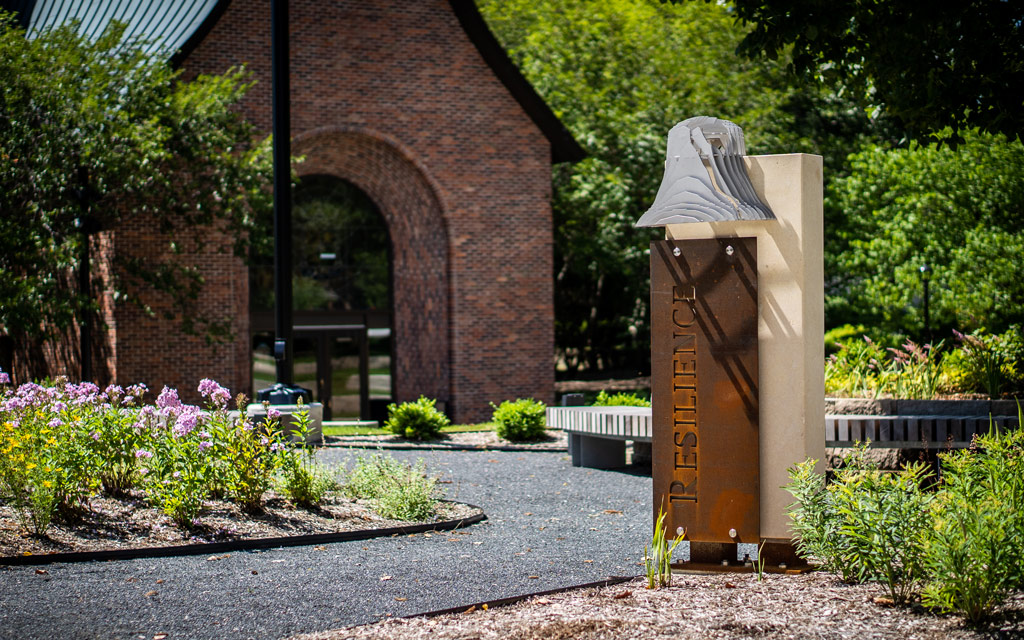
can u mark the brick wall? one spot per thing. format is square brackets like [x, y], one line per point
[393, 97]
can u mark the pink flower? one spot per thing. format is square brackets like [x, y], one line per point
[273, 413]
[142, 453]
[216, 394]
[186, 422]
[168, 399]
[4, 378]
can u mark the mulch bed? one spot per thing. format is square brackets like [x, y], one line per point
[720, 607]
[115, 524]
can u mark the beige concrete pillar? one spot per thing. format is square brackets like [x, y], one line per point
[791, 320]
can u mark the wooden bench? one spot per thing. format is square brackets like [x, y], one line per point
[598, 435]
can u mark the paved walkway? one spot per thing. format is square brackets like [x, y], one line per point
[550, 525]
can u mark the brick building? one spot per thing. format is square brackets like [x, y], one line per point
[414, 123]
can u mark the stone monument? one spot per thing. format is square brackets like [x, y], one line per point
[737, 306]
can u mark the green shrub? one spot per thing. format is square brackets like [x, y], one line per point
[975, 551]
[620, 400]
[963, 543]
[418, 420]
[520, 421]
[986, 363]
[301, 478]
[395, 490]
[884, 519]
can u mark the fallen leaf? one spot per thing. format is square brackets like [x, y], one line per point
[160, 636]
[383, 578]
[543, 601]
[492, 461]
[624, 594]
[150, 594]
[41, 572]
[528, 513]
[534, 577]
[132, 579]
[401, 599]
[613, 511]
[212, 558]
[882, 601]
[320, 548]
[588, 561]
[473, 608]
[255, 572]
[729, 585]
[160, 581]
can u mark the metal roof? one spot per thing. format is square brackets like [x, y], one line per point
[172, 27]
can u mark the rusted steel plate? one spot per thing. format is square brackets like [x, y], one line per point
[704, 387]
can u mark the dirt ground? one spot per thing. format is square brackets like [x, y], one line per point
[720, 606]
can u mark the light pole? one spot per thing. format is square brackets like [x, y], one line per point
[925, 278]
[282, 192]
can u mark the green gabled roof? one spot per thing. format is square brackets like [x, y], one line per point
[170, 26]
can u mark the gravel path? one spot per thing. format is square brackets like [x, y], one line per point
[550, 525]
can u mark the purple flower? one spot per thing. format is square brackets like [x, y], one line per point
[216, 394]
[168, 399]
[273, 413]
[204, 445]
[187, 421]
[142, 453]
[56, 422]
[59, 406]
[95, 435]
[4, 378]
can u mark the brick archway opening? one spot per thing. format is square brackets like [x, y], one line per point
[414, 216]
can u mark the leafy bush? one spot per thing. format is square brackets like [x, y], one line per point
[395, 490]
[962, 543]
[418, 420]
[884, 519]
[986, 363]
[521, 420]
[620, 400]
[302, 479]
[978, 537]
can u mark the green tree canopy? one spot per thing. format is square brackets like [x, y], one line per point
[93, 134]
[620, 74]
[959, 212]
[937, 69]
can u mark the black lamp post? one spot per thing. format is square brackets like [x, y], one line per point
[282, 193]
[925, 278]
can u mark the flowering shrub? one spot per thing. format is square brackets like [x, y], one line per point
[62, 443]
[979, 363]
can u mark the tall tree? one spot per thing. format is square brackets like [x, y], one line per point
[937, 69]
[95, 134]
[956, 211]
[620, 74]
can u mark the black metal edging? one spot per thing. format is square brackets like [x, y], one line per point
[501, 602]
[240, 545]
[454, 447]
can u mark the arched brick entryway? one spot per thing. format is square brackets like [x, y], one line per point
[413, 212]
